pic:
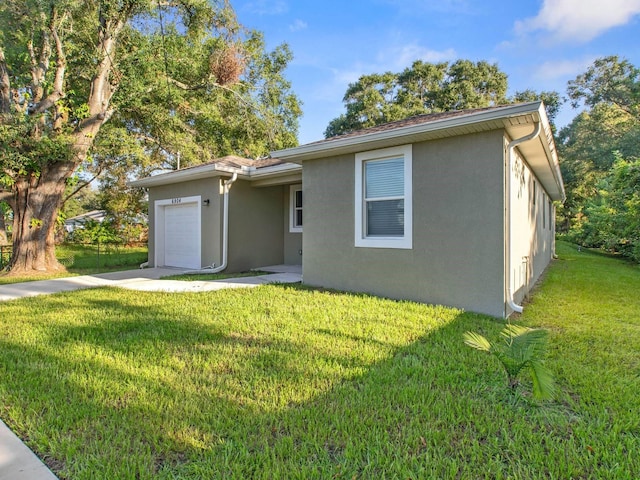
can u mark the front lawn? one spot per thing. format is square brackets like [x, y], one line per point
[290, 382]
[85, 259]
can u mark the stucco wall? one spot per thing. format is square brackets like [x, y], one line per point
[210, 223]
[255, 226]
[457, 256]
[532, 228]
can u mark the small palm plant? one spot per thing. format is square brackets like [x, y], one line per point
[522, 348]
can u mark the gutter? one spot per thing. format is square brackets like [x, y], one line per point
[337, 145]
[507, 215]
[210, 170]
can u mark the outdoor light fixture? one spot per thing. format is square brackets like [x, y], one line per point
[205, 202]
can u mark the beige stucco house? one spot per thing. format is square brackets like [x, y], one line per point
[451, 208]
[193, 224]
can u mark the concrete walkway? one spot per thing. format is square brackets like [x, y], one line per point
[17, 462]
[148, 280]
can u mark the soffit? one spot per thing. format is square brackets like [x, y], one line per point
[516, 120]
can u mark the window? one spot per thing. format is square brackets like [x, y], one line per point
[295, 208]
[550, 215]
[384, 198]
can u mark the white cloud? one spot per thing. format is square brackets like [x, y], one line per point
[403, 56]
[392, 59]
[298, 25]
[266, 7]
[562, 69]
[579, 20]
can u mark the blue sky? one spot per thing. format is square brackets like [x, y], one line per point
[540, 44]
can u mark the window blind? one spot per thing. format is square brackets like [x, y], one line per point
[384, 178]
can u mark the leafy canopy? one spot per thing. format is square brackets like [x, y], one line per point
[428, 88]
[599, 156]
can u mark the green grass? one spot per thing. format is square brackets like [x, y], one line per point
[214, 276]
[88, 260]
[291, 382]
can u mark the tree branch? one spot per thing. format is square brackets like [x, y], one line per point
[85, 184]
[39, 65]
[6, 196]
[5, 86]
[61, 65]
[184, 86]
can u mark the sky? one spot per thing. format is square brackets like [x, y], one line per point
[539, 44]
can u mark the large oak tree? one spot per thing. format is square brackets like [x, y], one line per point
[426, 88]
[113, 85]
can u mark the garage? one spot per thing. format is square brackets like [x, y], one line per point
[178, 232]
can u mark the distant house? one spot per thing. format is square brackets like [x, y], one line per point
[451, 208]
[70, 224]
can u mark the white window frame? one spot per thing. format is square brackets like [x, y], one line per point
[293, 228]
[361, 240]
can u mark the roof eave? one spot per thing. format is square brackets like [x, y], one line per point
[214, 170]
[187, 175]
[345, 145]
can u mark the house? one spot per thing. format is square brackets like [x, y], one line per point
[79, 221]
[193, 224]
[453, 208]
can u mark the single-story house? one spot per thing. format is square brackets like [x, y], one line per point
[79, 221]
[452, 208]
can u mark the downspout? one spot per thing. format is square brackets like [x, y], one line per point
[510, 148]
[225, 229]
[225, 223]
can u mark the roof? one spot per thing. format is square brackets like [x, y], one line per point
[97, 215]
[517, 120]
[262, 171]
[233, 161]
[406, 122]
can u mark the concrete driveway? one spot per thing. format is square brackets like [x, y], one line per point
[149, 280]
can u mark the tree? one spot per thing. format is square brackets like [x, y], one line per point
[552, 102]
[609, 80]
[611, 218]
[78, 80]
[590, 146]
[422, 88]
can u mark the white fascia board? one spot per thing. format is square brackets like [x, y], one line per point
[215, 169]
[552, 155]
[335, 147]
[547, 149]
[274, 170]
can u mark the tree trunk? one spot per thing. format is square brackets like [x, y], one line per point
[36, 202]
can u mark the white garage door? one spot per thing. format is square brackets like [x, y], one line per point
[182, 236]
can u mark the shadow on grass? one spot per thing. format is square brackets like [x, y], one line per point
[278, 382]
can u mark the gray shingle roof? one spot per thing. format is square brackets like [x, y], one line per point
[234, 161]
[407, 122]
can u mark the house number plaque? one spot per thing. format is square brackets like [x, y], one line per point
[176, 200]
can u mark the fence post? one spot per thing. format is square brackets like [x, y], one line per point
[6, 251]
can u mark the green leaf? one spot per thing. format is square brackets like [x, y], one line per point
[477, 341]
